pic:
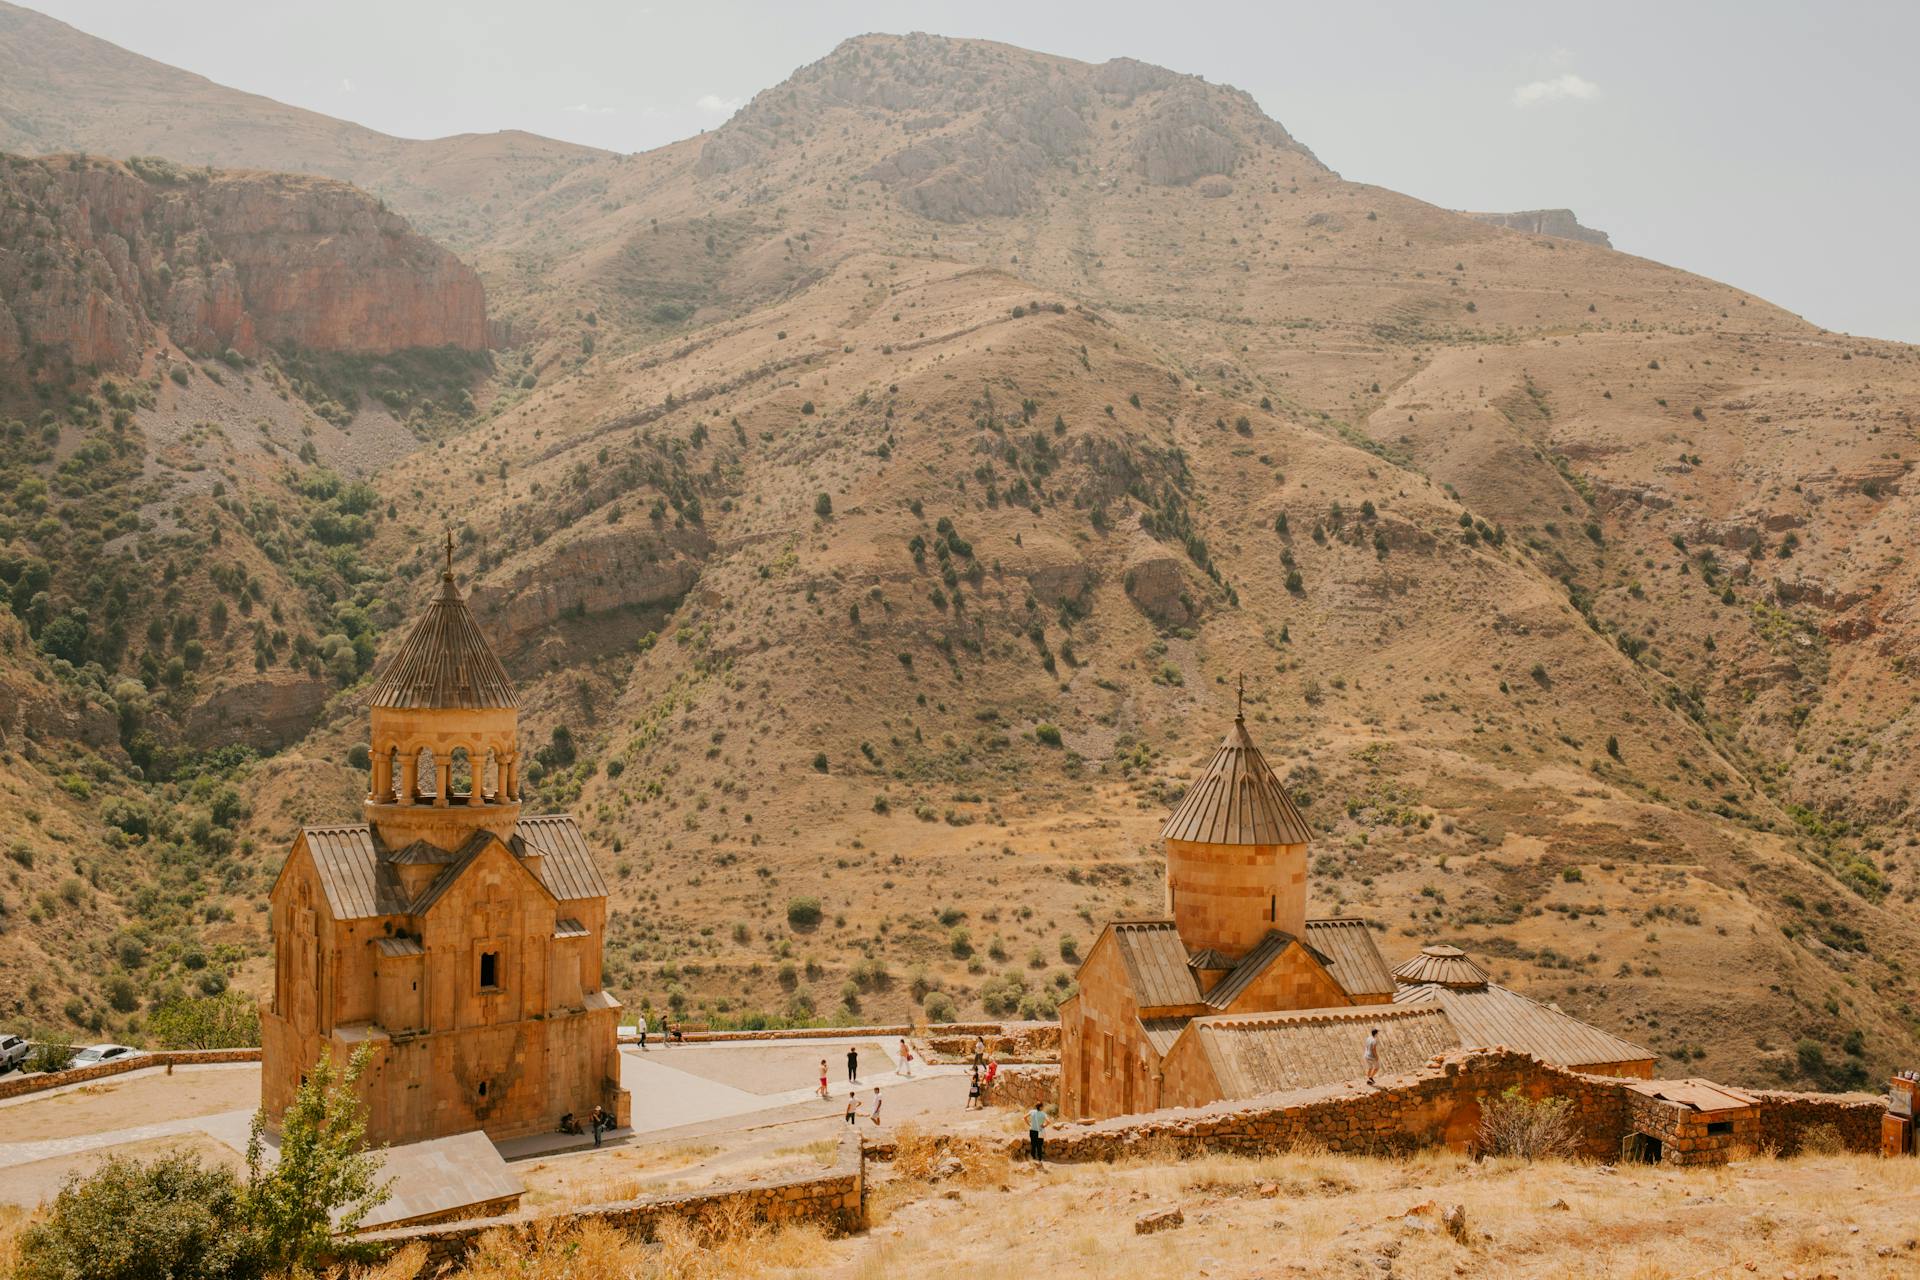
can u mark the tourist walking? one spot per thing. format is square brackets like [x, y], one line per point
[906, 1060]
[853, 1106]
[1371, 1055]
[876, 1109]
[643, 1033]
[973, 1092]
[823, 1077]
[853, 1064]
[1036, 1144]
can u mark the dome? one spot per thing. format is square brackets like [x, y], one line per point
[1237, 801]
[1441, 964]
[445, 662]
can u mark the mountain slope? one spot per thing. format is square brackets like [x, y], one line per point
[886, 493]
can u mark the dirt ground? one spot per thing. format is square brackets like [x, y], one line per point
[41, 1180]
[777, 1069]
[121, 1101]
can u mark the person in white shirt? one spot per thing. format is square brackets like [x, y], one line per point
[1370, 1057]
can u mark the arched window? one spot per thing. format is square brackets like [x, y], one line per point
[426, 783]
[461, 779]
[490, 777]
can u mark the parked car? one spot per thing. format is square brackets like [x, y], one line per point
[94, 1054]
[13, 1052]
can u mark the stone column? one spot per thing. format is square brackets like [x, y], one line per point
[409, 777]
[442, 777]
[382, 776]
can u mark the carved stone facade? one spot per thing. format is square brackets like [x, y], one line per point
[458, 940]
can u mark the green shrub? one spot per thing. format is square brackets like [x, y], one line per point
[939, 1007]
[228, 1020]
[803, 913]
[51, 1052]
[1048, 735]
[172, 1218]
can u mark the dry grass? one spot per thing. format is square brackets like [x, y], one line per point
[724, 1244]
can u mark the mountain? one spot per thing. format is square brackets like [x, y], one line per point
[883, 494]
[64, 91]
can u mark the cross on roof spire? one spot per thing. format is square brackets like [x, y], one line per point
[1240, 700]
[449, 552]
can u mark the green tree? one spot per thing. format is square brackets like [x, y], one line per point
[226, 1021]
[323, 1168]
[173, 1218]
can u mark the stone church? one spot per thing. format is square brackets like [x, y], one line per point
[458, 939]
[1237, 992]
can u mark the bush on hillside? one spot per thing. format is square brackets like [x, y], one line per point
[1532, 1129]
[173, 1217]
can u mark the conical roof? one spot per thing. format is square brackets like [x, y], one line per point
[1438, 963]
[445, 662]
[1237, 800]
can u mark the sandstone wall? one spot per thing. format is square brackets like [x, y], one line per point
[1438, 1105]
[835, 1198]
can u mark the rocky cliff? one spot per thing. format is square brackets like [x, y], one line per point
[1560, 223]
[97, 259]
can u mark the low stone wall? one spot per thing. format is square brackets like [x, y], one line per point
[1009, 1042]
[1786, 1119]
[19, 1084]
[961, 1032]
[1437, 1105]
[835, 1198]
[1020, 1087]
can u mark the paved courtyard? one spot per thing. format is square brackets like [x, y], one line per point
[700, 1111]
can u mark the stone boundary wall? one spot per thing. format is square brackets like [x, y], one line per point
[835, 1198]
[1438, 1104]
[19, 1085]
[1021, 1087]
[1787, 1118]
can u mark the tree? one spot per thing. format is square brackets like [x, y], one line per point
[323, 1168]
[823, 505]
[226, 1021]
[131, 1221]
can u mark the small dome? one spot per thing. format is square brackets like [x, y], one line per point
[1441, 964]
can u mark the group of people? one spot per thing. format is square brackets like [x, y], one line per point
[599, 1121]
[669, 1034]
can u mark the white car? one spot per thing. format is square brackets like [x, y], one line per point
[14, 1051]
[94, 1054]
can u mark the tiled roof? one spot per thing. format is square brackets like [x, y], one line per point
[1701, 1095]
[1156, 963]
[1251, 966]
[477, 843]
[1256, 1053]
[1208, 958]
[566, 863]
[444, 661]
[1162, 1032]
[1445, 965]
[569, 928]
[1351, 956]
[400, 946]
[1492, 1016]
[1237, 800]
[357, 883]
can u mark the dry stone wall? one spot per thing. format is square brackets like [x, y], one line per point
[835, 1198]
[1437, 1105]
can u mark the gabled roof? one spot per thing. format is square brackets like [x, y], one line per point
[1156, 963]
[477, 843]
[1700, 1095]
[1208, 958]
[1162, 1032]
[1256, 1053]
[357, 883]
[1445, 965]
[444, 661]
[570, 928]
[1491, 1016]
[397, 947]
[566, 863]
[1351, 956]
[1237, 800]
[1251, 966]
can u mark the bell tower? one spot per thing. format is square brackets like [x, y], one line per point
[443, 738]
[1236, 853]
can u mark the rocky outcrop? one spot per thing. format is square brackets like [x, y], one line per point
[1558, 223]
[265, 712]
[96, 257]
[615, 567]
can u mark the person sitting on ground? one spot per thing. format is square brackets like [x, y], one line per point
[568, 1124]
[1370, 1057]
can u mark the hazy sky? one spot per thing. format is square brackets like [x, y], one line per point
[1769, 145]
